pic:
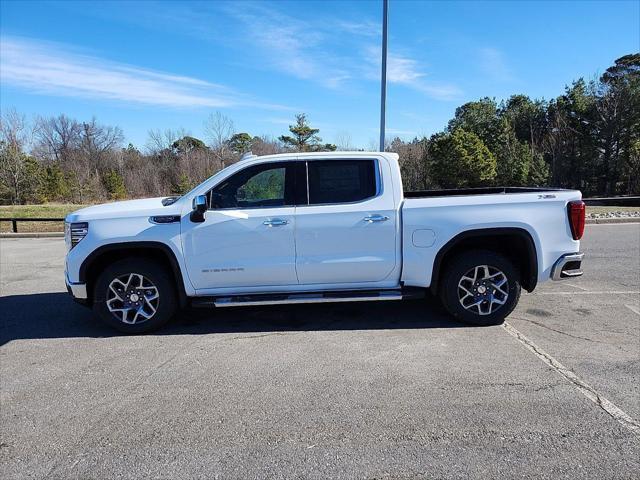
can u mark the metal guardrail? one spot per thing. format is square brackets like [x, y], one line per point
[14, 221]
[597, 201]
[613, 201]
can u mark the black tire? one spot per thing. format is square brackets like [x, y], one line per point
[453, 288]
[154, 275]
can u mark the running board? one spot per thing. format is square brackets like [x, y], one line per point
[306, 297]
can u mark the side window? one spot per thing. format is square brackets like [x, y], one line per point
[266, 185]
[341, 181]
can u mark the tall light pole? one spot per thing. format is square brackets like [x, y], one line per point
[383, 87]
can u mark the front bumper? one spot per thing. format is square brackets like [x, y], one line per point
[567, 266]
[77, 290]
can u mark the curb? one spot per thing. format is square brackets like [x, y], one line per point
[600, 221]
[33, 235]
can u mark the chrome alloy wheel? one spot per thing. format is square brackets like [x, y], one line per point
[483, 290]
[132, 298]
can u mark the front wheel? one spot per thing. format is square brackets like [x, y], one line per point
[480, 287]
[135, 295]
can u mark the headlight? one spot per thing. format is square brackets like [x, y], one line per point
[74, 232]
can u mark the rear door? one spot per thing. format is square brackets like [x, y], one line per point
[346, 233]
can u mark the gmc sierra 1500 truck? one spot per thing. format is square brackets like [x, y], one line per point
[319, 227]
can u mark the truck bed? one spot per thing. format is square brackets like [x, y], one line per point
[432, 218]
[455, 192]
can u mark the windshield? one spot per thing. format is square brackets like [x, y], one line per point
[218, 173]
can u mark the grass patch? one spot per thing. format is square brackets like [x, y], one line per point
[54, 210]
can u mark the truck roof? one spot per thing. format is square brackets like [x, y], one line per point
[327, 155]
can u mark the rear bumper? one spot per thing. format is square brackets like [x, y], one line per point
[567, 266]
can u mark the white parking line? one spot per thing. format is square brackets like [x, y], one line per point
[588, 391]
[633, 309]
[575, 286]
[600, 292]
[632, 221]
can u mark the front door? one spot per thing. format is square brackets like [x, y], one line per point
[247, 238]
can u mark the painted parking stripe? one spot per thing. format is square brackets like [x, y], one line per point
[632, 221]
[575, 286]
[601, 292]
[588, 391]
[633, 309]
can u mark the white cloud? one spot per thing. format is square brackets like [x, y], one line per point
[327, 50]
[291, 45]
[398, 132]
[404, 70]
[367, 28]
[53, 69]
[493, 63]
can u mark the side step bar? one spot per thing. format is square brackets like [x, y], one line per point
[305, 297]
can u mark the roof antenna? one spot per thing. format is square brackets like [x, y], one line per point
[247, 156]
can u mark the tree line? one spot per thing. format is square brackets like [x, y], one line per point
[587, 138]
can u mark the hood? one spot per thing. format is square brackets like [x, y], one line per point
[129, 208]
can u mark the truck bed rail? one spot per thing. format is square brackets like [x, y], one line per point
[452, 192]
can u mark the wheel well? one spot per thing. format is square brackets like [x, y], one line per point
[514, 243]
[99, 259]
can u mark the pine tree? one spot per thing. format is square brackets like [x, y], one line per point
[305, 138]
[114, 184]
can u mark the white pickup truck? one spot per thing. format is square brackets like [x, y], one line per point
[320, 227]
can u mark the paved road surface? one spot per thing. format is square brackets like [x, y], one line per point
[392, 390]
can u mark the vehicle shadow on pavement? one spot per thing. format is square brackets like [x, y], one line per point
[55, 315]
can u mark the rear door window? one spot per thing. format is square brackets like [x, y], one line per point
[341, 181]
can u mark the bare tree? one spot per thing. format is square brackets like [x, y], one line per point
[163, 139]
[413, 162]
[344, 141]
[97, 139]
[265, 145]
[14, 166]
[218, 129]
[14, 129]
[56, 136]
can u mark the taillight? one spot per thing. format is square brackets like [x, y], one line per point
[576, 212]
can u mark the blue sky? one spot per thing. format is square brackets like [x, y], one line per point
[156, 65]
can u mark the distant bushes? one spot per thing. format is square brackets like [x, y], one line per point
[587, 138]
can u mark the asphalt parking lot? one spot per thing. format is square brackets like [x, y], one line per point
[377, 391]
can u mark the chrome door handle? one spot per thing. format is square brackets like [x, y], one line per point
[276, 222]
[376, 218]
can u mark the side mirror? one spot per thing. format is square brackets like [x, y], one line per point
[199, 208]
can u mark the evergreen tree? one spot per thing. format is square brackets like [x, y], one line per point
[53, 186]
[304, 138]
[183, 184]
[461, 159]
[187, 144]
[240, 142]
[114, 184]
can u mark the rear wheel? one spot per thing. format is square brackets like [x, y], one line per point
[480, 287]
[135, 295]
